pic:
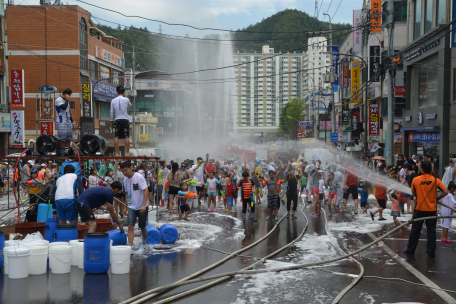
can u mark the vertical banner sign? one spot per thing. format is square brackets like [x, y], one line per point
[46, 128]
[374, 120]
[47, 107]
[376, 20]
[355, 124]
[345, 74]
[17, 129]
[453, 33]
[335, 61]
[357, 34]
[355, 83]
[374, 63]
[345, 114]
[128, 78]
[17, 88]
[86, 100]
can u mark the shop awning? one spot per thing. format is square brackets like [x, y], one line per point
[102, 98]
[420, 128]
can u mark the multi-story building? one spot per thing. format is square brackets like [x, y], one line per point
[266, 81]
[60, 46]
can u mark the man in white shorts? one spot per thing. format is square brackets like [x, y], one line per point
[64, 121]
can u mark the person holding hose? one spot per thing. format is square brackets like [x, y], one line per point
[424, 192]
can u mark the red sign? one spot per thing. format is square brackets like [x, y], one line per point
[410, 136]
[345, 74]
[399, 91]
[46, 128]
[17, 88]
[374, 120]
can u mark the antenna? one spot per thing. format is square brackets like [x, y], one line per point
[316, 9]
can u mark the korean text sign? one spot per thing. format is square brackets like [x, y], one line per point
[86, 100]
[17, 88]
[356, 82]
[357, 34]
[46, 127]
[345, 74]
[374, 120]
[376, 20]
[17, 129]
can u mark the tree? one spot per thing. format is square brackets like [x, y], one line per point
[290, 117]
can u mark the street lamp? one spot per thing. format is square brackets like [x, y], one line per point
[365, 105]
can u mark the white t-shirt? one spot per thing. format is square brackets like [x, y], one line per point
[66, 186]
[402, 173]
[119, 108]
[62, 115]
[199, 173]
[135, 187]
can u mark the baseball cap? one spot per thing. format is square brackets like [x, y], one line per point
[419, 157]
[34, 171]
[30, 162]
[43, 165]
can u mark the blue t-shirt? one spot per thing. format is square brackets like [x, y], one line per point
[364, 195]
[96, 197]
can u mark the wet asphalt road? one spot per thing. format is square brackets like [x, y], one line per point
[157, 268]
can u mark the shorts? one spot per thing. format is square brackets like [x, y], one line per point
[64, 130]
[303, 189]
[320, 196]
[229, 201]
[212, 193]
[184, 208]
[353, 190]
[122, 127]
[273, 202]
[85, 212]
[173, 190]
[408, 195]
[315, 191]
[142, 217]
[401, 204]
[381, 203]
[66, 209]
[363, 204]
[332, 195]
[199, 189]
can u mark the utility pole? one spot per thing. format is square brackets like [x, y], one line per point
[133, 92]
[366, 103]
[331, 82]
[390, 136]
[316, 135]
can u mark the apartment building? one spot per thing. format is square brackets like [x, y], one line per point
[266, 82]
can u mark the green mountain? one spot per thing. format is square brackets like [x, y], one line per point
[290, 20]
[157, 52]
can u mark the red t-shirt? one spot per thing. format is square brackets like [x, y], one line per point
[352, 180]
[211, 168]
[230, 190]
[380, 190]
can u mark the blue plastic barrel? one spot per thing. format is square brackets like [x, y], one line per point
[153, 235]
[50, 229]
[44, 212]
[118, 237]
[169, 233]
[65, 233]
[97, 249]
[2, 245]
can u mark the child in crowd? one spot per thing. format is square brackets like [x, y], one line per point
[93, 178]
[401, 199]
[34, 189]
[395, 209]
[230, 191]
[321, 184]
[223, 183]
[108, 178]
[211, 185]
[303, 185]
[364, 195]
[247, 187]
[182, 203]
[333, 185]
[380, 195]
[446, 222]
[315, 191]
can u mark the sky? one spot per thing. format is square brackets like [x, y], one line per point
[224, 14]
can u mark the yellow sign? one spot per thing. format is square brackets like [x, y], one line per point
[355, 82]
[308, 140]
[144, 137]
[273, 153]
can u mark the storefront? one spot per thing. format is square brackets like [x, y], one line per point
[425, 121]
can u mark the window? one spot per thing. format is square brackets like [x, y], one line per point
[441, 11]
[424, 84]
[417, 25]
[83, 44]
[93, 70]
[72, 105]
[400, 9]
[105, 108]
[105, 73]
[428, 15]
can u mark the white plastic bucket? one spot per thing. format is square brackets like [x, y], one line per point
[120, 259]
[18, 263]
[5, 255]
[52, 245]
[75, 250]
[38, 259]
[38, 243]
[14, 243]
[60, 257]
[81, 255]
